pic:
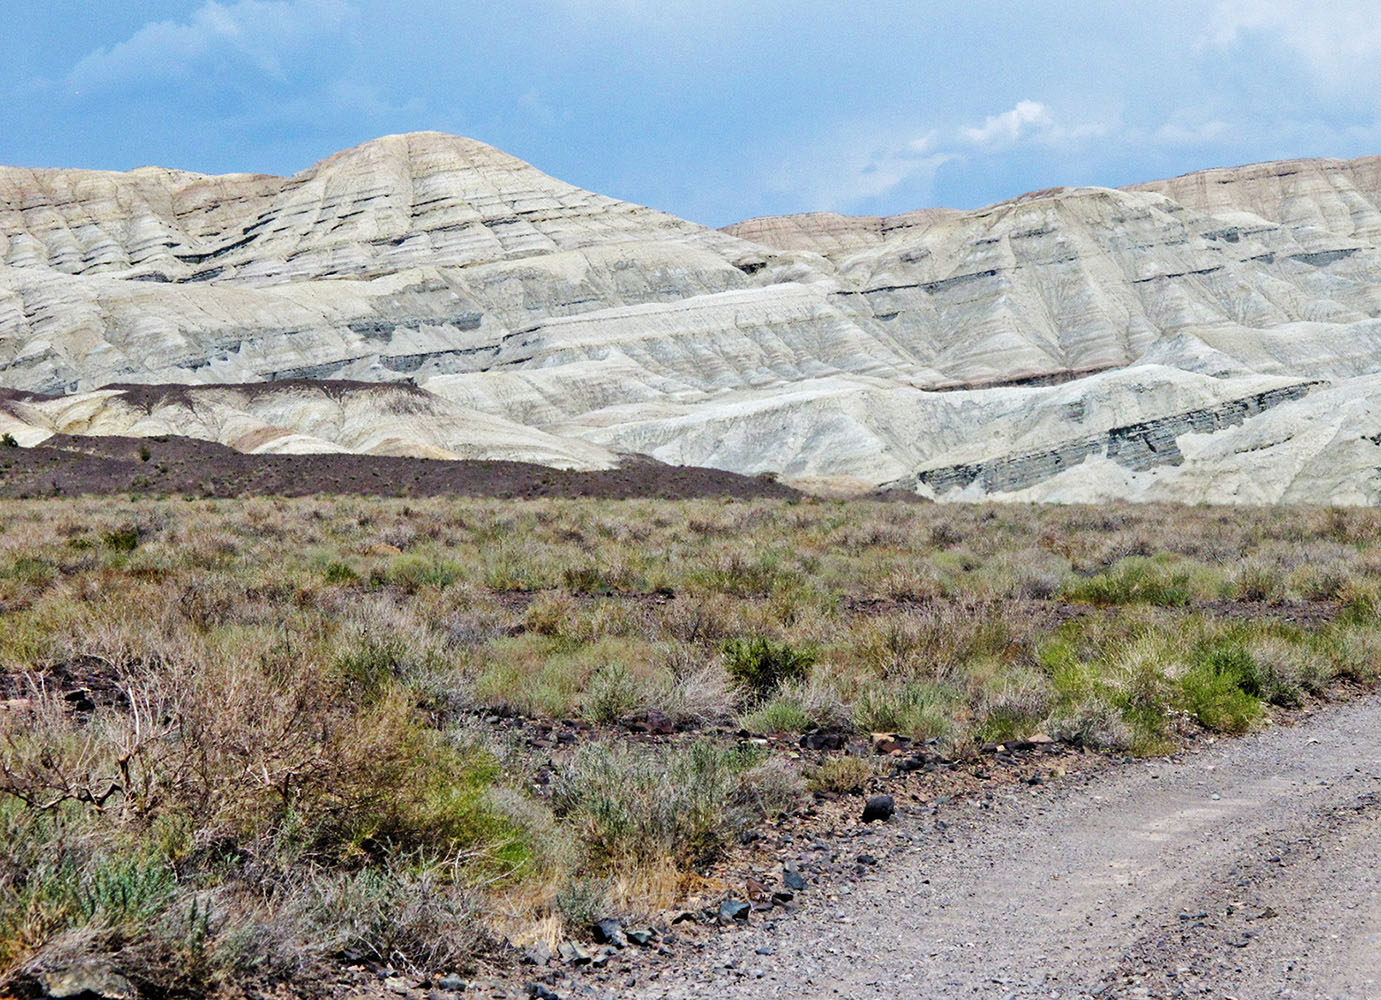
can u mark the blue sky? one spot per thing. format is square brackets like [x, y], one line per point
[713, 110]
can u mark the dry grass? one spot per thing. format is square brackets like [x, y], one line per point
[248, 739]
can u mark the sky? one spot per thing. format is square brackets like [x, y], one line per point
[715, 111]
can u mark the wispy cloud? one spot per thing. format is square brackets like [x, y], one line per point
[860, 165]
[1336, 41]
[261, 34]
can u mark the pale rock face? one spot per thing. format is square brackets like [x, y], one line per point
[1215, 337]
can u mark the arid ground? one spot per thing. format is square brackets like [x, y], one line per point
[353, 745]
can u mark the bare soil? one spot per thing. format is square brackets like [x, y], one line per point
[67, 465]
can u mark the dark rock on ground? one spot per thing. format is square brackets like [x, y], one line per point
[878, 808]
[610, 931]
[732, 910]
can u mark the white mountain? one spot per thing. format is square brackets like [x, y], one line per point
[1215, 337]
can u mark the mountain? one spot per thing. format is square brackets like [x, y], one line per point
[1214, 337]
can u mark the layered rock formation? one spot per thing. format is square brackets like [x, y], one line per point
[1194, 338]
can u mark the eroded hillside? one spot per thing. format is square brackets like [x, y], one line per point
[1213, 337]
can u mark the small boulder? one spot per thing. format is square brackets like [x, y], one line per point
[794, 881]
[572, 954]
[539, 992]
[733, 911]
[878, 808]
[91, 978]
[538, 954]
[452, 984]
[610, 931]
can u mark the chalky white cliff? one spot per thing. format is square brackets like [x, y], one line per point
[1216, 337]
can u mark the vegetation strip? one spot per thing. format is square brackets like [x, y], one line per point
[250, 742]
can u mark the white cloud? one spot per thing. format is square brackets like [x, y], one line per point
[1008, 128]
[1338, 41]
[261, 32]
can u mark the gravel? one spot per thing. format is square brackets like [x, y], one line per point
[1244, 869]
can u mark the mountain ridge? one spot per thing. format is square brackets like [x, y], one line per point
[540, 321]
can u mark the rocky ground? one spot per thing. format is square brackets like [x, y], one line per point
[1239, 868]
[1245, 869]
[65, 465]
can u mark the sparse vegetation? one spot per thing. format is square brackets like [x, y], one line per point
[248, 740]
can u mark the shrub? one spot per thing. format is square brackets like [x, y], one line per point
[582, 900]
[341, 573]
[122, 539]
[1093, 722]
[371, 664]
[612, 694]
[739, 577]
[842, 774]
[1135, 580]
[8, 441]
[759, 666]
[919, 710]
[552, 613]
[1223, 689]
[641, 805]
[780, 714]
[1259, 583]
[417, 920]
[1316, 583]
[1015, 709]
[412, 573]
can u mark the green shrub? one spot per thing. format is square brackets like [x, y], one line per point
[612, 694]
[779, 714]
[412, 573]
[1135, 580]
[122, 539]
[918, 710]
[31, 570]
[341, 573]
[738, 577]
[759, 666]
[1223, 689]
[369, 665]
[1259, 583]
[8, 441]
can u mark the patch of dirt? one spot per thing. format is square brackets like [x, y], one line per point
[67, 465]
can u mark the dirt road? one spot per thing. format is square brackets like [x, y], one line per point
[1249, 869]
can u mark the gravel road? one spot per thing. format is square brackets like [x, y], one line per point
[1248, 869]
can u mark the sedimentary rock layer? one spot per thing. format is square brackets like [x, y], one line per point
[1068, 343]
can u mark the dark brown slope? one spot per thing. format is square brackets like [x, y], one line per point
[66, 465]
